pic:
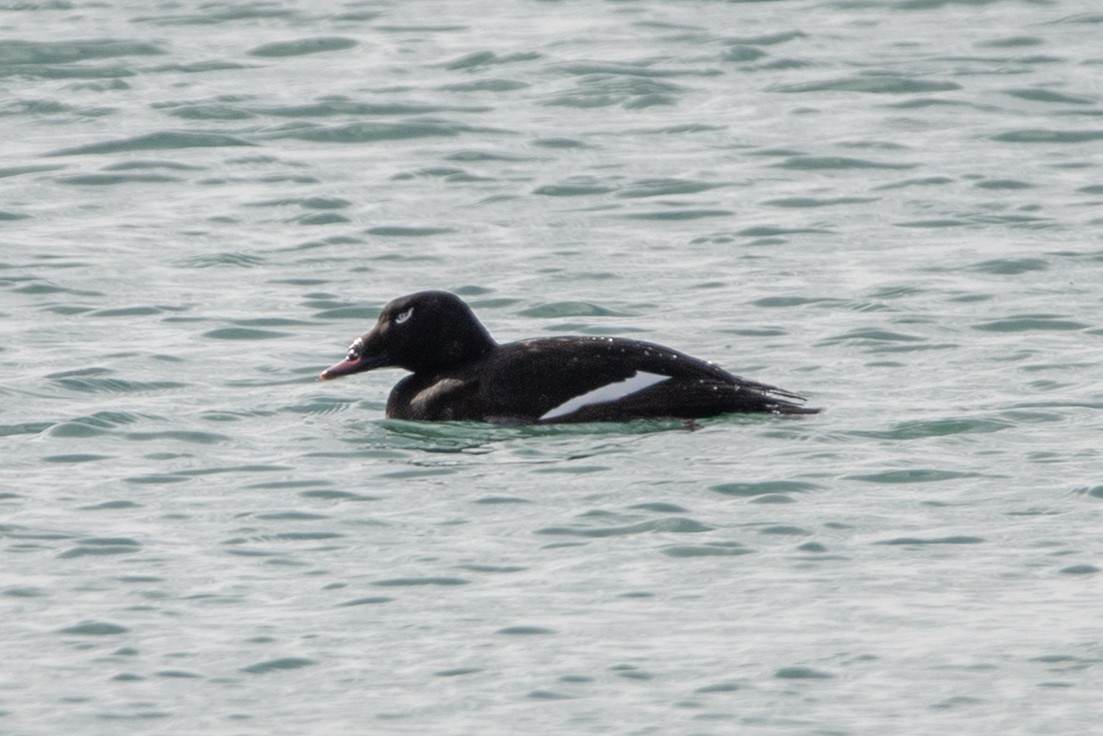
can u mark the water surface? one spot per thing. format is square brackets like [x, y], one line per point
[892, 208]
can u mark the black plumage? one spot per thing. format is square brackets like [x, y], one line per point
[460, 373]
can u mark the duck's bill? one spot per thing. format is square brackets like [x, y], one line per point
[344, 368]
[354, 365]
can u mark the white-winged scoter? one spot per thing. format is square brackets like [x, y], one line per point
[461, 373]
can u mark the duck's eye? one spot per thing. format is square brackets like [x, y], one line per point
[403, 316]
[355, 350]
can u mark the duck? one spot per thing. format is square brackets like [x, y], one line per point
[458, 372]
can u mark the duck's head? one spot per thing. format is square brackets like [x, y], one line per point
[422, 332]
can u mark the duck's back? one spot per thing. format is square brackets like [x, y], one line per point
[584, 379]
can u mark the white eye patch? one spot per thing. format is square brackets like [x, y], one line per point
[606, 393]
[403, 316]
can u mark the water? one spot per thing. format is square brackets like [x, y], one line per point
[893, 208]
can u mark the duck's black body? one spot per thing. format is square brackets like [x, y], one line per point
[460, 373]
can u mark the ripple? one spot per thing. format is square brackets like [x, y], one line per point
[935, 223]
[659, 507]
[7, 430]
[785, 531]
[372, 132]
[499, 569]
[1010, 266]
[38, 287]
[643, 69]
[320, 406]
[412, 582]
[245, 469]
[24, 592]
[111, 506]
[1040, 135]
[96, 380]
[556, 310]
[805, 202]
[631, 672]
[155, 479]
[911, 430]
[924, 181]
[17, 531]
[94, 424]
[189, 436]
[776, 498]
[629, 89]
[182, 674]
[97, 547]
[208, 111]
[324, 203]
[1004, 184]
[66, 52]
[74, 458]
[327, 495]
[794, 301]
[456, 672]
[525, 631]
[94, 628]
[229, 258]
[747, 490]
[112, 72]
[672, 525]
[341, 106]
[921, 541]
[8, 171]
[718, 549]
[200, 67]
[407, 231]
[480, 59]
[370, 600]
[305, 536]
[485, 85]
[278, 665]
[1031, 323]
[142, 311]
[664, 188]
[802, 673]
[215, 13]
[291, 516]
[1012, 42]
[104, 180]
[876, 83]
[168, 139]
[767, 39]
[678, 214]
[740, 53]
[872, 336]
[1093, 491]
[303, 46]
[500, 500]
[244, 333]
[913, 475]
[360, 314]
[814, 163]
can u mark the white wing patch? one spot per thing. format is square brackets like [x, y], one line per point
[608, 392]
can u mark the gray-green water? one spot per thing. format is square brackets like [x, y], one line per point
[891, 207]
